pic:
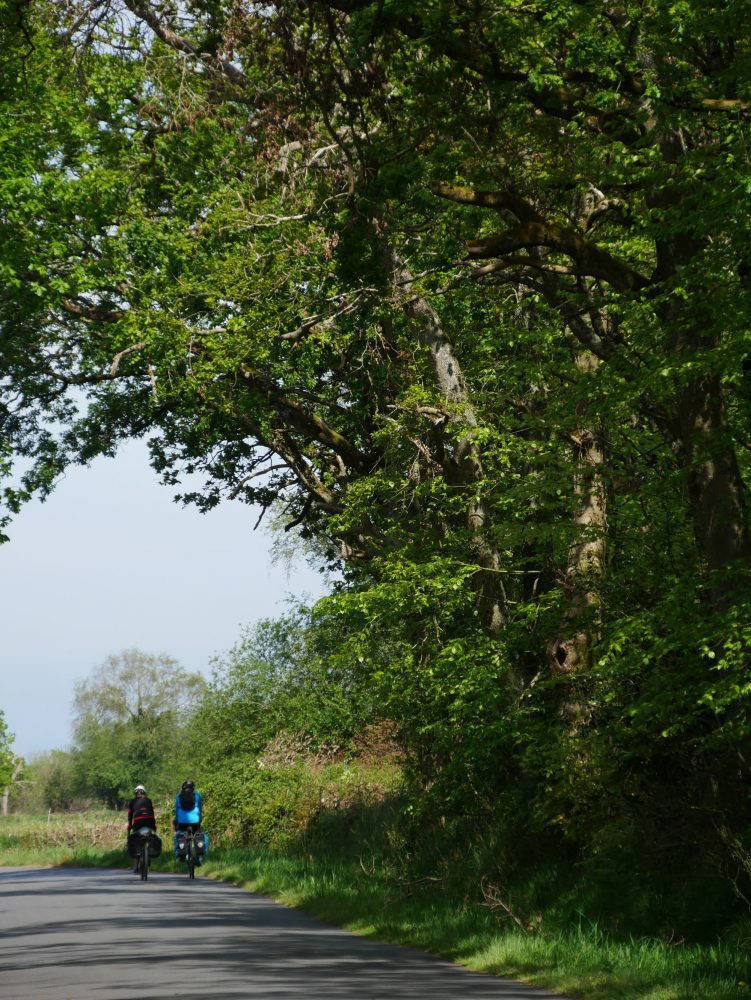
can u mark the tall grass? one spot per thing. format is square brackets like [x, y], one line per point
[59, 838]
[91, 838]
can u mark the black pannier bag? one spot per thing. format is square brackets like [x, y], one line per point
[136, 839]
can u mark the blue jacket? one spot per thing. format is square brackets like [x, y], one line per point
[192, 816]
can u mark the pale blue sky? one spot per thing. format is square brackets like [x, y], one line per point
[110, 562]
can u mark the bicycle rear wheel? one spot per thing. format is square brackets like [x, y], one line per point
[144, 868]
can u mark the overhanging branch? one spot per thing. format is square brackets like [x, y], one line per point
[532, 231]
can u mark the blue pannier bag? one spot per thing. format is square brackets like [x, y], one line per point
[201, 839]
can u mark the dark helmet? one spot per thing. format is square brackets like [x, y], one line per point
[188, 786]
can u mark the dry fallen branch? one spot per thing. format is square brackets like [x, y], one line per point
[492, 896]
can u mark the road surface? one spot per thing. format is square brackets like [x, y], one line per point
[93, 934]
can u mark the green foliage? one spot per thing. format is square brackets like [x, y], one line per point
[132, 719]
[281, 675]
[279, 804]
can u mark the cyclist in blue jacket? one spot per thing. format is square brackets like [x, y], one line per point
[188, 809]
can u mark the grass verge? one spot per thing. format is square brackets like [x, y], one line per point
[580, 963]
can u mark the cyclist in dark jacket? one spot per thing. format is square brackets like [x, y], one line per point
[141, 811]
[140, 814]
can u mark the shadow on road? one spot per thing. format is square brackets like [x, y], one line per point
[106, 934]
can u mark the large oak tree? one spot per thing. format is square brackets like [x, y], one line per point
[462, 288]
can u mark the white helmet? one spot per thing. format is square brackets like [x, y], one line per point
[140, 788]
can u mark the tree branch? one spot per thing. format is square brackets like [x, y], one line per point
[143, 10]
[533, 231]
[118, 357]
[306, 421]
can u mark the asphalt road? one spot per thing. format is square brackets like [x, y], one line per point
[85, 934]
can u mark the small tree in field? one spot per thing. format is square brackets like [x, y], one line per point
[6, 751]
[48, 784]
[10, 764]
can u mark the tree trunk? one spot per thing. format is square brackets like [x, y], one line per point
[17, 768]
[571, 650]
[466, 467]
[715, 486]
